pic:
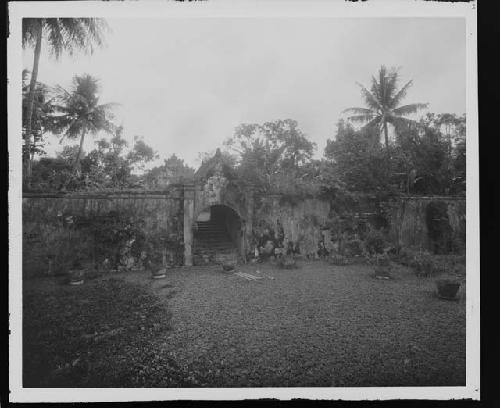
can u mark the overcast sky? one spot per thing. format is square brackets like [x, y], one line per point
[185, 84]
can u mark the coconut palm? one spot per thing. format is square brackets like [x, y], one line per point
[41, 120]
[79, 112]
[382, 101]
[62, 35]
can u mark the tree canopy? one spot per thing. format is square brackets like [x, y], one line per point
[267, 152]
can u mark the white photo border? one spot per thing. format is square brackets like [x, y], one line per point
[232, 9]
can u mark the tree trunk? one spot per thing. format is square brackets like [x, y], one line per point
[31, 96]
[76, 164]
[386, 135]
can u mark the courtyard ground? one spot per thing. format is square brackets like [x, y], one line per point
[318, 325]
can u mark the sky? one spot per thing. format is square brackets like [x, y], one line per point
[184, 84]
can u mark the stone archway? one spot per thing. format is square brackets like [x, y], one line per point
[218, 233]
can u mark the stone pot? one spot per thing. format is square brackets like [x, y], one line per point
[228, 266]
[159, 273]
[76, 277]
[382, 272]
[447, 288]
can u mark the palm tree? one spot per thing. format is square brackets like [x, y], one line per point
[382, 101]
[62, 35]
[80, 112]
[41, 119]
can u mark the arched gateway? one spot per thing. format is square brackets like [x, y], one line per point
[218, 233]
[218, 213]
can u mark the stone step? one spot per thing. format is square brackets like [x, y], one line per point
[211, 233]
[212, 238]
[213, 248]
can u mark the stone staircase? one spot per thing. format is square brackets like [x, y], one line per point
[212, 244]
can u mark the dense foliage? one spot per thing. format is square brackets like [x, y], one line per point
[426, 157]
[110, 166]
[173, 170]
[274, 156]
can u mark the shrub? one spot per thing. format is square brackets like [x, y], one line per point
[379, 260]
[286, 262]
[424, 263]
[354, 247]
[116, 235]
[375, 242]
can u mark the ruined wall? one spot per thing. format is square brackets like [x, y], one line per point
[49, 218]
[304, 221]
[412, 224]
[434, 223]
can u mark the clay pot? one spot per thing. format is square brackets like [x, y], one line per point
[447, 288]
[76, 277]
[160, 273]
[228, 266]
[382, 272]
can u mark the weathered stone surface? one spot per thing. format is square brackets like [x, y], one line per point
[409, 223]
[47, 221]
[173, 213]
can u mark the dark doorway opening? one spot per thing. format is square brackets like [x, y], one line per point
[217, 235]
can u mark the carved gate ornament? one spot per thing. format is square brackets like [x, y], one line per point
[215, 185]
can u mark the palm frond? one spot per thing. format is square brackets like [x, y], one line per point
[381, 84]
[360, 111]
[377, 121]
[396, 100]
[409, 109]
[370, 99]
[360, 118]
[71, 34]
[30, 27]
[391, 83]
[375, 89]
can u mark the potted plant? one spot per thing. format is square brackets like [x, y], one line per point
[382, 266]
[287, 262]
[77, 272]
[448, 287]
[159, 270]
[337, 259]
[228, 262]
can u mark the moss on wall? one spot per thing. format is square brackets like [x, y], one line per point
[302, 221]
[49, 221]
[432, 223]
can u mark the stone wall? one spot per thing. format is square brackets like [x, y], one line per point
[49, 218]
[303, 221]
[433, 223]
[413, 224]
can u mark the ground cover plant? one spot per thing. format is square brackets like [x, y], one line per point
[317, 325]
